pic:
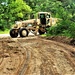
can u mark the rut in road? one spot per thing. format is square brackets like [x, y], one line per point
[23, 69]
[37, 56]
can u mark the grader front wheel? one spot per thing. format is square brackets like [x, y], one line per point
[13, 33]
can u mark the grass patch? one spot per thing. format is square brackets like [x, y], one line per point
[4, 32]
[43, 35]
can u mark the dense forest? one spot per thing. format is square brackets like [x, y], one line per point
[14, 10]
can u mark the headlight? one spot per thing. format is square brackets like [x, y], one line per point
[29, 25]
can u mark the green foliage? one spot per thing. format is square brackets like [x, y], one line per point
[65, 28]
[44, 5]
[11, 11]
[20, 15]
[59, 29]
[14, 10]
[66, 12]
[71, 29]
[19, 9]
[6, 31]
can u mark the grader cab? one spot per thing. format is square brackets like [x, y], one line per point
[39, 25]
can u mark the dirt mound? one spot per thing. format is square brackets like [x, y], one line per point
[36, 56]
[62, 39]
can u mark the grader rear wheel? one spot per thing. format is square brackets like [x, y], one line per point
[40, 32]
[23, 32]
[72, 42]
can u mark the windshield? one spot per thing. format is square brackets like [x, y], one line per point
[42, 15]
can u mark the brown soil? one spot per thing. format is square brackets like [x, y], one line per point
[36, 56]
[62, 39]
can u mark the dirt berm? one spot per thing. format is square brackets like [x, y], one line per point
[36, 56]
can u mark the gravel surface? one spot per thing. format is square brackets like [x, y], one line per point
[4, 35]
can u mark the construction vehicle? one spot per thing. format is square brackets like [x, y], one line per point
[39, 25]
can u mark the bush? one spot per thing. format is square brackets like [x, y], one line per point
[56, 30]
[71, 30]
[65, 28]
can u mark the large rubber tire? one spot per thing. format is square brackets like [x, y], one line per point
[40, 32]
[72, 42]
[23, 32]
[13, 33]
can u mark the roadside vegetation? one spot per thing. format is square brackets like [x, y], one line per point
[6, 31]
[15, 10]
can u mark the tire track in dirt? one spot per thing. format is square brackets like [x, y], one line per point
[23, 68]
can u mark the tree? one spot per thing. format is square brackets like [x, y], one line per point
[19, 9]
[11, 11]
[44, 5]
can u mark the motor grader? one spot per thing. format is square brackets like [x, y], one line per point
[38, 25]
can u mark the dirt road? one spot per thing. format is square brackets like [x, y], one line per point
[35, 56]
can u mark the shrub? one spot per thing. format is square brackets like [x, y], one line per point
[62, 28]
[71, 30]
